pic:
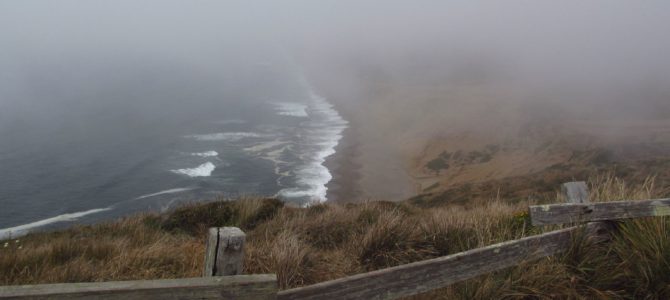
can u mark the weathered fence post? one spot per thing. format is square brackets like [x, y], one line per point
[224, 253]
[575, 192]
[578, 192]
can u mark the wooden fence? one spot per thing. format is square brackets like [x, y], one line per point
[225, 254]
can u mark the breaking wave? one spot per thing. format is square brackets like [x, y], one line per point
[171, 191]
[206, 154]
[291, 109]
[204, 170]
[21, 230]
[224, 136]
[320, 135]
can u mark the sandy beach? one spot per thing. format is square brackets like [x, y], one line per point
[364, 166]
[345, 169]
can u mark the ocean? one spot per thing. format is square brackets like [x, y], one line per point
[120, 139]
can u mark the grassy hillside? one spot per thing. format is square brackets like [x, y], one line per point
[469, 169]
[308, 245]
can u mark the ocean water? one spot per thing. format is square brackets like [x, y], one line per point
[171, 141]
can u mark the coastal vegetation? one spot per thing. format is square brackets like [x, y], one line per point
[327, 241]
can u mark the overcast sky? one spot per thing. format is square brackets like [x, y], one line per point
[59, 44]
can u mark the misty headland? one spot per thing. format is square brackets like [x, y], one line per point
[466, 102]
[107, 109]
[350, 141]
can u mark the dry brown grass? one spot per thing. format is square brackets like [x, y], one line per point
[309, 245]
[634, 265]
[123, 250]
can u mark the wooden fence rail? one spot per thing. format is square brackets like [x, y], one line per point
[578, 192]
[226, 287]
[225, 253]
[601, 211]
[427, 275]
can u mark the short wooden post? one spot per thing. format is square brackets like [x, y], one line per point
[578, 192]
[575, 192]
[224, 253]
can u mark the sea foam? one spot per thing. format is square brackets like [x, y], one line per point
[204, 170]
[170, 191]
[224, 136]
[322, 134]
[206, 154]
[291, 109]
[21, 230]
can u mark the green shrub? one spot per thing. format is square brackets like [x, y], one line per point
[195, 220]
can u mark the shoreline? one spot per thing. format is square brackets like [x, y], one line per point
[345, 186]
[362, 168]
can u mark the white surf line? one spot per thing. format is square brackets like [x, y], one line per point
[291, 109]
[313, 176]
[170, 191]
[262, 147]
[224, 136]
[22, 230]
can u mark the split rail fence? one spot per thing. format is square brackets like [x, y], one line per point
[223, 279]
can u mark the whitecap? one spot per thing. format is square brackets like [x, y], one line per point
[311, 183]
[291, 109]
[263, 147]
[206, 154]
[21, 230]
[204, 170]
[170, 191]
[224, 136]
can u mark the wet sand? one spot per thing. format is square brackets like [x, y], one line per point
[363, 168]
[345, 185]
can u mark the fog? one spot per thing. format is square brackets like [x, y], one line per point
[572, 52]
[72, 59]
[113, 107]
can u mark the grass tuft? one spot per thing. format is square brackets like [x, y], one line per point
[327, 241]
